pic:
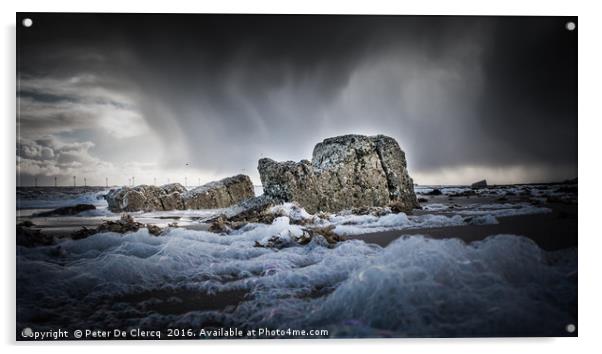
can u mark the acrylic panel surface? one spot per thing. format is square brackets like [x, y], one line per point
[200, 176]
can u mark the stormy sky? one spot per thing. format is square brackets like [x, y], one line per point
[205, 96]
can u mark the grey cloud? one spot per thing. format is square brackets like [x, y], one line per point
[50, 157]
[52, 105]
[220, 92]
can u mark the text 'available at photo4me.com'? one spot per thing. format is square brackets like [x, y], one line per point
[171, 333]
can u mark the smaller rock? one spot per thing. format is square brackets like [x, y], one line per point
[296, 214]
[435, 191]
[305, 238]
[26, 223]
[124, 225]
[29, 237]
[479, 184]
[82, 233]
[255, 210]
[273, 242]
[327, 232]
[68, 210]
[219, 225]
[154, 229]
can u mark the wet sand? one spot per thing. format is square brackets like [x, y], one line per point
[551, 231]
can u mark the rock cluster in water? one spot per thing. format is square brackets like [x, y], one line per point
[124, 225]
[350, 171]
[174, 196]
[345, 172]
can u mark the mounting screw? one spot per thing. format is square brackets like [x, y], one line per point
[570, 328]
[570, 26]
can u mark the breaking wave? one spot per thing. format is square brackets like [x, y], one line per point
[51, 198]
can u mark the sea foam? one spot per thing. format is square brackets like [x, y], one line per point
[416, 286]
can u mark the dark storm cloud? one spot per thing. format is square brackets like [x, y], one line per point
[221, 91]
[530, 106]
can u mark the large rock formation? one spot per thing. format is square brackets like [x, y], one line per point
[219, 194]
[345, 172]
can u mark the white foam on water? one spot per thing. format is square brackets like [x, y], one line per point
[188, 213]
[503, 209]
[419, 287]
[415, 286]
[455, 190]
[293, 211]
[347, 223]
[360, 224]
[422, 189]
[486, 219]
[435, 207]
